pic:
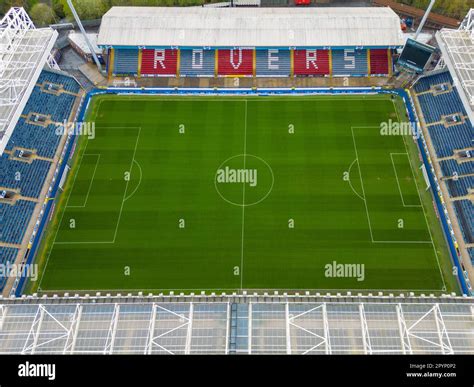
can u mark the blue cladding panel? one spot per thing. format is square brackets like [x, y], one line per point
[126, 61]
[349, 62]
[273, 62]
[197, 62]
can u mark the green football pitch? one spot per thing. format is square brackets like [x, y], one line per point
[231, 193]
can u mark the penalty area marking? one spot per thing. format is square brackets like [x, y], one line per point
[124, 198]
[398, 181]
[365, 201]
[91, 182]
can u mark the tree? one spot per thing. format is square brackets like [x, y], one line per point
[42, 14]
[88, 9]
[58, 8]
[5, 5]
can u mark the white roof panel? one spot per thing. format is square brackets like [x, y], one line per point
[457, 47]
[250, 27]
[24, 51]
[378, 325]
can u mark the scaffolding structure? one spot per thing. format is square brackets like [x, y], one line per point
[226, 325]
[24, 50]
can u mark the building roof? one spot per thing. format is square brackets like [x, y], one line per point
[77, 39]
[221, 325]
[250, 27]
[24, 51]
[457, 47]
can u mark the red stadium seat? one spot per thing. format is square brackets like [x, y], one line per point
[159, 62]
[311, 62]
[235, 62]
[379, 61]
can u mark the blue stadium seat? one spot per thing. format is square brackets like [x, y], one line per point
[14, 219]
[29, 178]
[7, 255]
[471, 254]
[57, 106]
[425, 83]
[44, 140]
[68, 83]
[436, 106]
[197, 62]
[449, 167]
[349, 62]
[465, 213]
[126, 61]
[447, 139]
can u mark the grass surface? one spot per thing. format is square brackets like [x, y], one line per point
[144, 211]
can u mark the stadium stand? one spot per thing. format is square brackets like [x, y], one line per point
[258, 42]
[197, 62]
[54, 96]
[126, 61]
[441, 105]
[471, 254]
[450, 167]
[425, 83]
[57, 109]
[461, 186]
[311, 62]
[464, 173]
[67, 83]
[44, 139]
[7, 255]
[379, 62]
[437, 99]
[273, 63]
[161, 62]
[446, 140]
[201, 62]
[465, 213]
[349, 62]
[27, 177]
[14, 220]
[235, 62]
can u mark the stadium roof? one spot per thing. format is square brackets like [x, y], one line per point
[78, 39]
[249, 27]
[457, 47]
[226, 324]
[24, 51]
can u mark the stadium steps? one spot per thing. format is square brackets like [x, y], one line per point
[460, 176]
[9, 245]
[469, 196]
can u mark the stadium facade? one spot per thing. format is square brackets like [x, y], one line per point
[244, 42]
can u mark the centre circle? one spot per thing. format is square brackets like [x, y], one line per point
[244, 180]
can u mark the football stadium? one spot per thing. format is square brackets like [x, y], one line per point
[294, 180]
